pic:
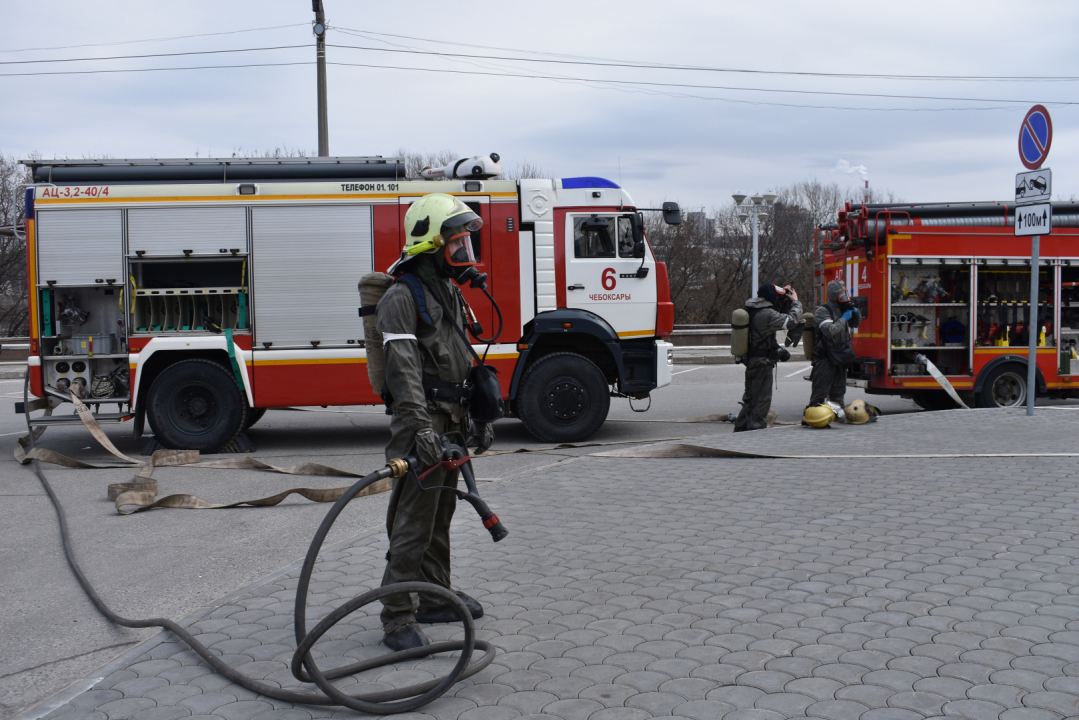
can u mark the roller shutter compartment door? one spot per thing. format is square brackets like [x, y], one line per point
[79, 247]
[198, 230]
[305, 264]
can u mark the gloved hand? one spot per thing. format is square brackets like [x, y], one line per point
[483, 434]
[848, 315]
[857, 315]
[428, 448]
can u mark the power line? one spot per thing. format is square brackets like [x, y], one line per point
[564, 58]
[619, 83]
[162, 39]
[142, 70]
[716, 87]
[153, 55]
[605, 62]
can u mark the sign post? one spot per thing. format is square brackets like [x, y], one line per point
[1034, 217]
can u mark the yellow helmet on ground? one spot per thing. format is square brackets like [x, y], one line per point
[860, 412]
[433, 220]
[818, 416]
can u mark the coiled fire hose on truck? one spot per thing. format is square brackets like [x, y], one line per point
[303, 665]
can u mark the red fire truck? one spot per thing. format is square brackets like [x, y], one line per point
[197, 293]
[951, 282]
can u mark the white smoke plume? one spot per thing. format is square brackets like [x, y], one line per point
[844, 166]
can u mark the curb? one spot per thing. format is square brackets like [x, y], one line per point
[12, 370]
[703, 359]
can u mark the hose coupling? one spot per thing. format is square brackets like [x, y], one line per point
[398, 467]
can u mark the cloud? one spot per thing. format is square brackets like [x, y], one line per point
[844, 166]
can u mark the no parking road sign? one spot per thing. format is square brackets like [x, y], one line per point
[1035, 137]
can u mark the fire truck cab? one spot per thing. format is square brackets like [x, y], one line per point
[950, 281]
[194, 294]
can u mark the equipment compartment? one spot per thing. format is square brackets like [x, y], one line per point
[189, 296]
[930, 315]
[70, 315]
[1003, 313]
[84, 343]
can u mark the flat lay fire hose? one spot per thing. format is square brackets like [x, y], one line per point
[303, 666]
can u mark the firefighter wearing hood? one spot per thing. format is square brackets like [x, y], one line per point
[775, 308]
[832, 351]
[425, 362]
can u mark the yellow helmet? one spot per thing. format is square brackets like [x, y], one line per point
[818, 416]
[856, 413]
[860, 412]
[433, 220]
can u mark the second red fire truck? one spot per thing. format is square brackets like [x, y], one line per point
[951, 282]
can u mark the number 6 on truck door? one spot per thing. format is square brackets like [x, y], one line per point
[610, 271]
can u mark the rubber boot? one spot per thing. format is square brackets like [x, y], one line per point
[404, 634]
[445, 613]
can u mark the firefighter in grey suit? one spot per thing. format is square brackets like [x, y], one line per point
[832, 351]
[775, 308]
[427, 363]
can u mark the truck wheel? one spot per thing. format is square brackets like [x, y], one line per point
[1006, 386]
[563, 398]
[195, 405]
[253, 416]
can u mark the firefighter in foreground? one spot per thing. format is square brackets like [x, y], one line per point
[832, 351]
[426, 366]
[775, 308]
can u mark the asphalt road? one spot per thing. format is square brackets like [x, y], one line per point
[172, 562]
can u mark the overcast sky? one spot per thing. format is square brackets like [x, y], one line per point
[693, 145]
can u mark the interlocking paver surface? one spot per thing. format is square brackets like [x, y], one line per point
[860, 588]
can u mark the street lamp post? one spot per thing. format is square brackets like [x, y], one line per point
[757, 209]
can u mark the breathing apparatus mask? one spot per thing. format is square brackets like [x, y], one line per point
[452, 252]
[776, 295]
[838, 291]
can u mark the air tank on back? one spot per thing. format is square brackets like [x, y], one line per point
[740, 333]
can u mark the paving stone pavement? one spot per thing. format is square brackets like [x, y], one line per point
[712, 588]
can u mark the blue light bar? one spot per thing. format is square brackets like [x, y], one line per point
[580, 183]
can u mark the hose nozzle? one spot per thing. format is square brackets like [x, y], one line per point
[494, 526]
[398, 467]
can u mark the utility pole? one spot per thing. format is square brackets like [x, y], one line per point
[320, 56]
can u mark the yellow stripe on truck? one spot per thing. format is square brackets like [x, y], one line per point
[246, 198]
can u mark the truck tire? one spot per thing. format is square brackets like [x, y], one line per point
[196, 405]
[253, 416]
[1005, 386]
[564, 397]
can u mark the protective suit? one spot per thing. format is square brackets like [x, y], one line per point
[765, 320]
[426, 366]
[832, 323]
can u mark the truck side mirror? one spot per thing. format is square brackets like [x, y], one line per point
[671, 214]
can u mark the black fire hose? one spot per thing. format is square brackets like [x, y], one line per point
[303, 665]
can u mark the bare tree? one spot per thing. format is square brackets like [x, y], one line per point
[525, 170]
[705, 273]
[14, 311]
[417, 161]
[283, 151]
[710, 271]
